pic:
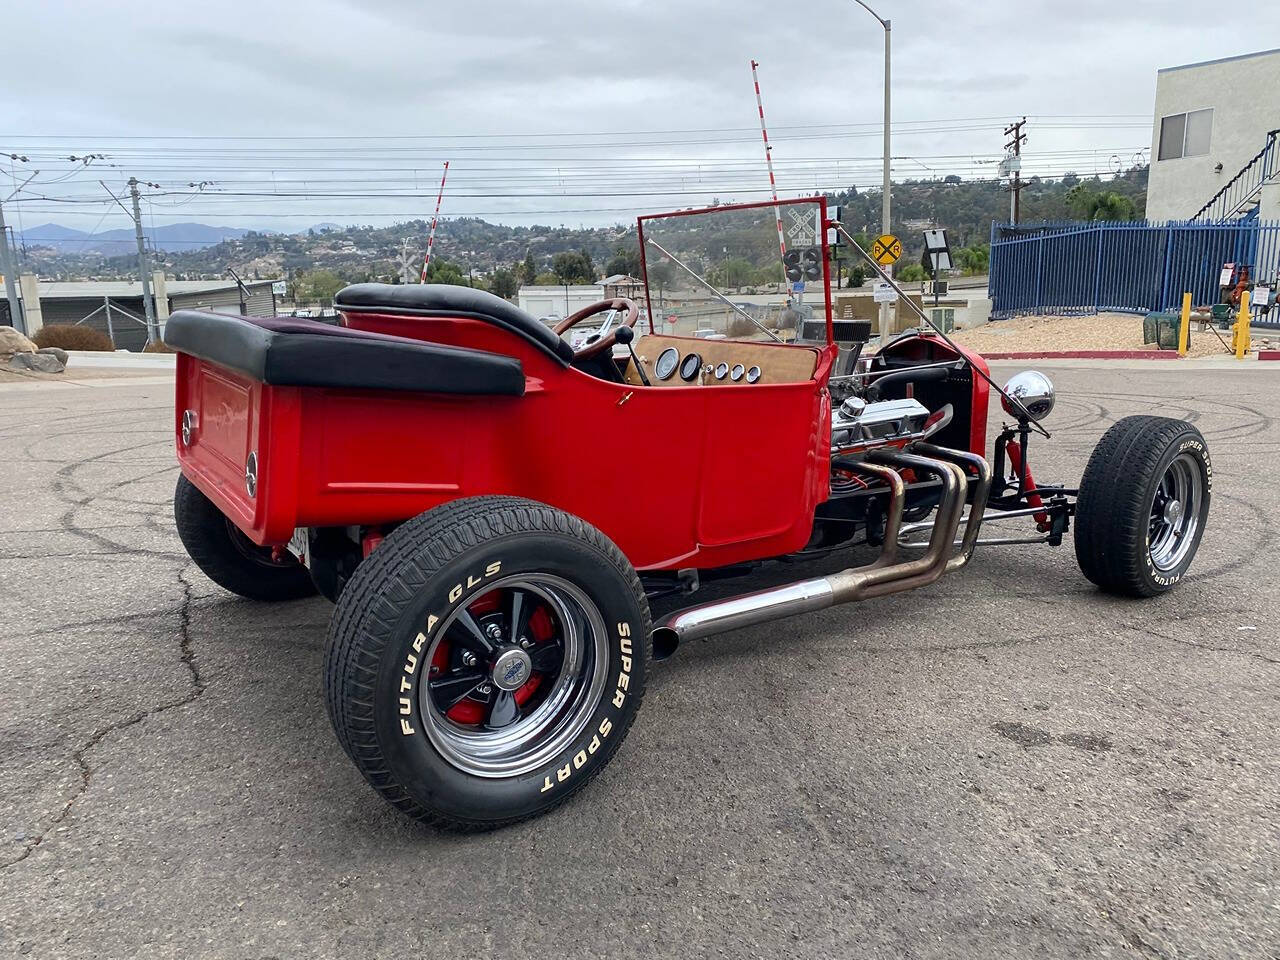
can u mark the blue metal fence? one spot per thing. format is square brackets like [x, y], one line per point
[1128, 266]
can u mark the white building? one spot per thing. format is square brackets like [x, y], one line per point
[558, 301]
[115, 307]
[1211, 120]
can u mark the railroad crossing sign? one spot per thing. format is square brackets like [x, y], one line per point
[886, 250]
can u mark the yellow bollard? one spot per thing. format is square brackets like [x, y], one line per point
[1184, 332]
[1240, 339]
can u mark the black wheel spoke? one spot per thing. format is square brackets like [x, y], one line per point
[519, 617]
[470, 633]
[546, 659]
[452, 688]
[503, 711]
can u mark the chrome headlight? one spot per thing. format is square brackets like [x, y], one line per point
[1033, 390]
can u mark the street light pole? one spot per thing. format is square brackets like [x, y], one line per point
[884, 197]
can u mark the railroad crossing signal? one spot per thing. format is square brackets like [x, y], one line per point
[886, 250]
[804, 263]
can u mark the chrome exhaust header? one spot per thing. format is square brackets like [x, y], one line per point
[883, 576]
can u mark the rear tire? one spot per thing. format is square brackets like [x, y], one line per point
[1143, 503]
[486, 661]
[228, 557]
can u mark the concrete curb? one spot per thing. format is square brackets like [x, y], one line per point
[122, 359]
[1085, 355]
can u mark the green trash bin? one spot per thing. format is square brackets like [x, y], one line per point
[1161, 328]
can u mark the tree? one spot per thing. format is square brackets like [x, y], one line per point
[625, 259]
[317, 285]
[573, 267]
[442, 271]
[975, 260]
[1089, 204]
[528, 269]
[546, 280]
[661, 274]
[588, 266]
[734, 272]
[503, 283]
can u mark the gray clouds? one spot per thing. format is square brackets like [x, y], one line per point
[398, 67]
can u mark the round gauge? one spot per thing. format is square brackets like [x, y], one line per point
[667, 361]
[736, 373]
[690, 366]
[753, 374]
[722, 370]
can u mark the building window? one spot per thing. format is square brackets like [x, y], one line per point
[1185, 134]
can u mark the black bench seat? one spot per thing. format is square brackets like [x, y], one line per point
[447, 300]
[290, 352]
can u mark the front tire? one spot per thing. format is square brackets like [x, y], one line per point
[1143, 504]
[486, 661]
[229, 558]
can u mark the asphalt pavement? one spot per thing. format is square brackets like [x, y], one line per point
[1005, 764]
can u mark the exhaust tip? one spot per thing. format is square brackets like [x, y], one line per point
[665, 641]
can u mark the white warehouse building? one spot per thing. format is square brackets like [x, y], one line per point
[1213, 120]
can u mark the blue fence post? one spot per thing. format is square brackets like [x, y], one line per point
[1168, 262]
[1097, 272]
[1039, 269]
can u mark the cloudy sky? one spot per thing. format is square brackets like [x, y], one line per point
[292, 113]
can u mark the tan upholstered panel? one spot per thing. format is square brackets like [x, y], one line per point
[777, 363]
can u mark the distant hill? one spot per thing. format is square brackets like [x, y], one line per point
[174, 237]
[358, 253]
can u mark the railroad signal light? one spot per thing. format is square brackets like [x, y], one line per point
[803, 264]
[791, 263]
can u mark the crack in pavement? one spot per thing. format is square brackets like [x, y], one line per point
[1253, 654]
[187, 657]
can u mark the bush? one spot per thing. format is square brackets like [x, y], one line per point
[158, 346]
[70, 337]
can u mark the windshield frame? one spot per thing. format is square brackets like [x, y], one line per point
[754, 205]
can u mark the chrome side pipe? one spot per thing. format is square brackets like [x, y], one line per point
[881, 577]
[980, 493]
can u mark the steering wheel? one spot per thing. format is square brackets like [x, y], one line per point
[598, 345]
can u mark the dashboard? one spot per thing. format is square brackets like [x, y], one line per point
[687, 362]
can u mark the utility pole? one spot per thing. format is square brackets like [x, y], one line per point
[885, 222]
[6, 267]
[1014, 130]
[153, 333]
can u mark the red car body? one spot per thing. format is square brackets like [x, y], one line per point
[695, 476]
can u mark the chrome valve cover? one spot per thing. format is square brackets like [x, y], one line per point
[856, 422]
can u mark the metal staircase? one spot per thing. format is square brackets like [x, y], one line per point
[1239, 198]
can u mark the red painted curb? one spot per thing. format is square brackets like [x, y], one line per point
[1085, 355]
[1269, 354]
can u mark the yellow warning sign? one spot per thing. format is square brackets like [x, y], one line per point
[886, 250]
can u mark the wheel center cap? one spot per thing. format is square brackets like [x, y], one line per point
[512, 669]
[1172, 511]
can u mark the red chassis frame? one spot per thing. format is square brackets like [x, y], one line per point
[684, 476]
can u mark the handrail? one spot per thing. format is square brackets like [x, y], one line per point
[1264, 155]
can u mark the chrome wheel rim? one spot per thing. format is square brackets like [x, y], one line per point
[1175, 513]
[513, 675]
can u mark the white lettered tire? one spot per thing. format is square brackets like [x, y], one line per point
[486, 661]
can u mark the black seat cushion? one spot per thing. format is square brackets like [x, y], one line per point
[307, 353]
[446, 300]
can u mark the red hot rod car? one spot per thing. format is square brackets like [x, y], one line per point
[482, 501]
